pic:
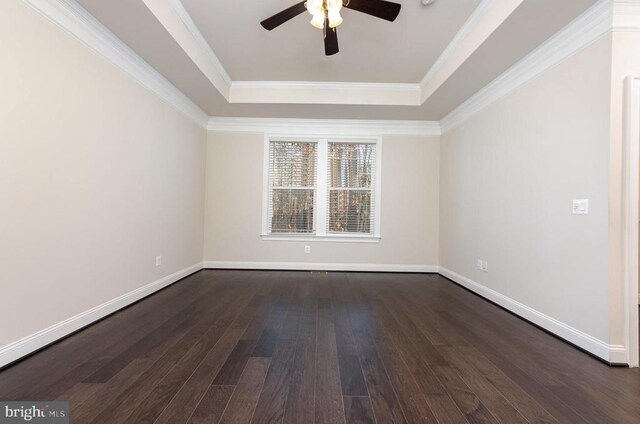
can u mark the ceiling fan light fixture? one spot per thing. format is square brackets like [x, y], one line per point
[334, 18]
[318, 20]
[315, 7]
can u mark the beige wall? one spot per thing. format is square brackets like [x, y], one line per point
[409, 221]
[508, 179]
[97, 177]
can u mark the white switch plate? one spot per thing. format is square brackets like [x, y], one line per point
[480, 264]
[158, 260]
[307, 249]
[581, 207]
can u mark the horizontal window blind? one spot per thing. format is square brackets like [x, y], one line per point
[292, 187]
[351, 179]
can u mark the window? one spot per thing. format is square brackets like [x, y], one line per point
[292, 171]
[351, 194]
[322, 189]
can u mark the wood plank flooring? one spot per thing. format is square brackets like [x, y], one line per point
[299, 347]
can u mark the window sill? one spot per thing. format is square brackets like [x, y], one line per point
[323, 239]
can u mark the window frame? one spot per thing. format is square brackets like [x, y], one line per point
[320, 213]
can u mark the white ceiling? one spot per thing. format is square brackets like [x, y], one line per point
[294, 51]
[372, 50]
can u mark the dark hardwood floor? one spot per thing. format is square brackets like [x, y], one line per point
[296, 347]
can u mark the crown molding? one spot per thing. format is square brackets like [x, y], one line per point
[221, 76]
[600, 19]
[626, 15]
[175, 20]
[454, 45]
[344, 93]
[484, 20]
[318, 127]
[593, 24]
[71, 17]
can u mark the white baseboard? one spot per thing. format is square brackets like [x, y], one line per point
[303, 266]
[614, 354]
[42, 338]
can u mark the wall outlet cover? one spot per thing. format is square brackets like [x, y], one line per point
[581, 207]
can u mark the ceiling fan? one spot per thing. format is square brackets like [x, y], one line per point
[326, 16]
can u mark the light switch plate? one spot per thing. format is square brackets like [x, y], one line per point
[581, 207]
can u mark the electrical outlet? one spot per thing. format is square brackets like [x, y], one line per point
[158, 260]
[581, 207]
[307, 249]
[483, 265]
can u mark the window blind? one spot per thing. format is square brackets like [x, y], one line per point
[292, 187]
[351, 182]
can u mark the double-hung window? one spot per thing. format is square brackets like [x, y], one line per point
[322, 189]
[292, 187]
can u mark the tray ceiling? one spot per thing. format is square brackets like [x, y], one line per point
[371, 50]
[399, 56]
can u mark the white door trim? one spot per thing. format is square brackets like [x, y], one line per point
[632, 216]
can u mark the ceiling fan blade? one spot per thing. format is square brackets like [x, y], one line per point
[284, 16]
[330, 40]
[379, 8]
